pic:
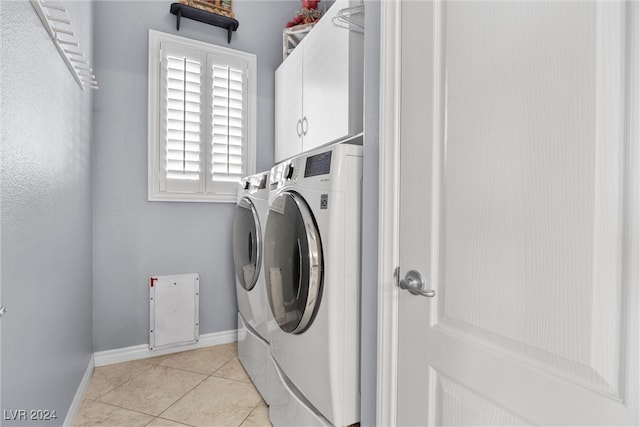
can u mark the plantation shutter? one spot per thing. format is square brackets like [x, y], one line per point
[182, 119]
[202, 103]
[228, 123]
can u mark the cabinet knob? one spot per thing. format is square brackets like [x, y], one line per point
[305, 125]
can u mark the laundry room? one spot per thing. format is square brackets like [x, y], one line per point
[319, 212]
[81, 233]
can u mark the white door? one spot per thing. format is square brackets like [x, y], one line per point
[517, 178]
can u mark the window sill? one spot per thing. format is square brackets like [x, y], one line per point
[196, 198]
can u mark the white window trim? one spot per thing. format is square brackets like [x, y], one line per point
[154, 102]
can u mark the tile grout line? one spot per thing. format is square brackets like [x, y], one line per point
[206, 378]
[234, 379]
[181, 397]
[250, 382]
[231, 379]
[150, 365]
[244, 382]
[173, 403]
[120, 407]
[184, 370]
[167, 419]
[119, 385]
[251, 411]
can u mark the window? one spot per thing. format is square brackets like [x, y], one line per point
[202, 103]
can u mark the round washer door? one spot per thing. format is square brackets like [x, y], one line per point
[293, 262]
[246, 243]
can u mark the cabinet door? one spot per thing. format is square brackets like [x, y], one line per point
[326, 82]
[288, 106]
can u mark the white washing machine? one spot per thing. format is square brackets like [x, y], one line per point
[312, 272]
[253, 338]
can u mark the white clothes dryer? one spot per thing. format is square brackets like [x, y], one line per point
[312, 275]
[253, 338]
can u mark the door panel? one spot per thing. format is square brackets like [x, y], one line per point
[247, 244]
[461, 406]
[520, 200]
[293, 263]
[326, 83]
[518, 223]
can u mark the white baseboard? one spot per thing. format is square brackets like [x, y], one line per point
[136, 352]
[77, 399]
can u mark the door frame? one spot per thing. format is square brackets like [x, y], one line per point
[388, 207]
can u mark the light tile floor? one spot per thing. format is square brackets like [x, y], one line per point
[204, 387]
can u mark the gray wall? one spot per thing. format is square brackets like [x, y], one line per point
[133, 238]
[368, 369]
[45, 215]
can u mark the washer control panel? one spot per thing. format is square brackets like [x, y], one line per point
[254, 182]
[291, 170]
[318, 164]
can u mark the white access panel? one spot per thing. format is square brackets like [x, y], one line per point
[174, 314]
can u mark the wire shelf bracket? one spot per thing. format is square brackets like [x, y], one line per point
[57, 22]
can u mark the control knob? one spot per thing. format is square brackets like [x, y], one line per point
[288, 172]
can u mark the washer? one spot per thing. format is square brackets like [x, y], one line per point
[312, 274]
[253, 336]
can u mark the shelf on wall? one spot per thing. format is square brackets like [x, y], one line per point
[292, 36]
[57, 21]
[182, 10]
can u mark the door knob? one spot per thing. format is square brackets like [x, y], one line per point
[415, 284]
[2, 311]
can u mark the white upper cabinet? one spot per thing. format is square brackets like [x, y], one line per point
[289, 106]
[318, 88]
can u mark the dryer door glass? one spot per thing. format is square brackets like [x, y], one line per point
[293, 262]
[246, 244]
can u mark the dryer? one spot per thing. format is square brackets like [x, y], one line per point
[249, 219]
[312, 276]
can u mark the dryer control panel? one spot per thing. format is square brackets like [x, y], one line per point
[284, 173]
[319, 164]
[308, 166]
[255, 182]
[320, 168]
